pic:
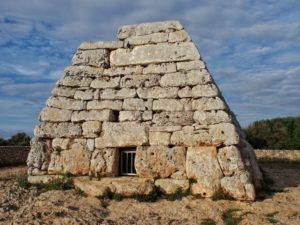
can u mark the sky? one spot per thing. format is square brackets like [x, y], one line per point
[251, 48]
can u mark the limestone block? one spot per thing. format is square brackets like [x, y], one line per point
[161, 68]
[87, 71]
[124, 134]
[160, 53]
[88, 45]
[224, 133]
[202, 165]
[203, 104]
[97, 94]
[74, 161]
[185, 92]
[60, 143]
[90, 144]
[187, 78]
[146, 39]
[53, 130]
[165, 128]
[191, 138]
[106, 82]
[159, 161]
[105, 104]
[55, 115]
[171, 105]
[118, 94]
[43, 179]
[159, 138]
[148, 28]
[117, 71]
[104, 162]
[212, 117]
[100, 115]
[170, 186]
[84, 94]
[91, 187]
[230, 160]
[74, 81]
[179, 175]
[66, 103]
[147, 115]
[208, 90]
[130, 116]
[137, 104]
[157, 92]
[91, 129]
[94, 57]
[173, 118]
[39, 155]
[62, 91]
[192, 65]
[139, 81]
[179, 36]
[239, 186]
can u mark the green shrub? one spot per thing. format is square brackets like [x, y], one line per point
[220, 196]
[57, 184]
[147, 198]
[115, 196]
[179, 194]
[229, 218]
[208, 222]
[12, 207]
[23, 181]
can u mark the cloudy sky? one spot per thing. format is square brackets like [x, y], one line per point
[252, 48]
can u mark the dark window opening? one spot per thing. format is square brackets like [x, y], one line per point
[127, 159]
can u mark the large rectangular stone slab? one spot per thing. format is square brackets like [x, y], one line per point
[157, 92]
[53, 130]
[211, 117]
[191, 65]
[161, 68]
[105, 104]
[146, 39]
[137, 104]
[80, 70]
[106, 82]
[118, 94]
[135, 81]
[55, 115]
[203, 104]
[130, 116]
[159, 53]
[171, 105]
[62, 91]
[100, 115]
[88, 45]
[124, 134]
[66, 103]
[95, 57]
[75, 81]
[124, 70]
[173, 118]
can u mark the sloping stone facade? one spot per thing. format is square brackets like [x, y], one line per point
[149, 90]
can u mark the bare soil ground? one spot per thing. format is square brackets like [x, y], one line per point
[278, 204]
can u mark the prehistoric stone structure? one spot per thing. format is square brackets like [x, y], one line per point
[147, 106]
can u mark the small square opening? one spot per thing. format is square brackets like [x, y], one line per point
[126, 162]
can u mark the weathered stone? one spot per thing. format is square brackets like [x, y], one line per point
[191, 65]
[179, 36]
[191, 138]
[159, 161]
[84, 94]
[185, 92]
[105, 104]
[43, 179]
[53, 130]
[224, 133]
[160, 68]
[39, 155]
[179, 175]
[97, 94]
[91, 187]
[137, 104]
[139, 81]
[122, 135]
[159, 138]
[117, 71]
[60, 143]
[165, 128]
[157, 92]
[230, 160]
[66, 103]
[212, 117]
[171, 105]
[118, 94]
[62, 91]
[148, 28]
[74, 161]
[90, 144]
[159, 53]
[189, 78]
[202, 165]
[104, 162]
[55, 115]
[173, 118]
[106, 82]
[130, 116]
[75, 81]
[204, 103]
[91, 129]
[87, 45]
[89, 71]
[146, 39]
[100, 115]
[147, 115]
[239, 186]
[208, 90]
[95, 57]
[170, 186]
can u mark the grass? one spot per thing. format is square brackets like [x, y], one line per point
[208, 222]
[115, 196]
[81, 193]
[23, 181]
[220, 196]
[230, 218]
[193, 181]
[270, 217]
[146, 198]
[179, 194]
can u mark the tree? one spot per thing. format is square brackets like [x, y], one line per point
[19, 139]
[3, 142]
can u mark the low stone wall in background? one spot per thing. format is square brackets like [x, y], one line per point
[278, 154]
[13, 155]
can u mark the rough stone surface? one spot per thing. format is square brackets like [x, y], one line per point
[191, 65]
[170, 186]
[161, 68]
[100, 115]
[212, 117]
[137, 104]
[55, 115]
[100, 45]
[134, 81]
[84, 94]
[53, 130]
[95, 57]
[157, 92]
[66, 103]
[159, 138]
[74, 81]
[39, 156]
[62, 91]
[179, 36]
[106, 82]
[173, 118]
[130, 116]
[118, 94]
[91, 129]
[105, 104]
[146, 39]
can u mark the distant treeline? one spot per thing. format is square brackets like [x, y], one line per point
[278, 133]
[19, 139]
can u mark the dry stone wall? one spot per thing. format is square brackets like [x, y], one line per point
[150, 90]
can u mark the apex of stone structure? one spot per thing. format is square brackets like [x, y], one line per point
[146, 112]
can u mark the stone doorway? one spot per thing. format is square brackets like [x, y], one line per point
[127, 161]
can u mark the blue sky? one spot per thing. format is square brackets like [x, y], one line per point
[252, 49]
